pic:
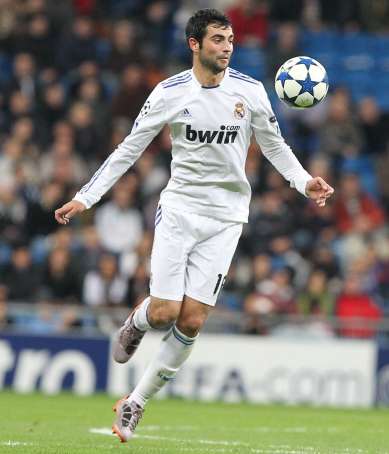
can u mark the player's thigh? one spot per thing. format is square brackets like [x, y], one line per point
[168, 257]
[208, 264]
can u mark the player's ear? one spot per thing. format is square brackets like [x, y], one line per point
[194, 45]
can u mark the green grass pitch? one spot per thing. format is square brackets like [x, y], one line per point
[67, 424]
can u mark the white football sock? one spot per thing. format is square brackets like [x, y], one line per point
[174, 350]
[141, 321]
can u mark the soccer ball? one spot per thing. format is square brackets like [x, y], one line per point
[301, 82]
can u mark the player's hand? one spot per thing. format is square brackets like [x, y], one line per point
[67, 211]
[319, 191]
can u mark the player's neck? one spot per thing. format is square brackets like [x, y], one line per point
[207, 78]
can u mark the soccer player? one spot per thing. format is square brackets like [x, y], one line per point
[212, 111]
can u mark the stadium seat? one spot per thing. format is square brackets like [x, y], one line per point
[381, 55]
[321, 46]
[381, 91]
[249, 60]
[5, 68]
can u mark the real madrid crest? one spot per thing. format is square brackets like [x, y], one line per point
[239, 111]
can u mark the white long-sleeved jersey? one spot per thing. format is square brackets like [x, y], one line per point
[210, 129]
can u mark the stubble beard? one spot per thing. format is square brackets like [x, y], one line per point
[212, 65]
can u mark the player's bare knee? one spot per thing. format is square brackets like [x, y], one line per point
[191, 324]
[162, 313]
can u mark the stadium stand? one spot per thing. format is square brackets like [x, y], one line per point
[73, 76]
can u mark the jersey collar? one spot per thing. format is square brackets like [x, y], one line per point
[222, 82]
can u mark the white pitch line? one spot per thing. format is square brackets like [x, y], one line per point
[230, 445]
[107, 431]
[152, 428]
[13, 444]
[101, 431]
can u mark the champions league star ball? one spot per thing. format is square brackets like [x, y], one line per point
[301, 82]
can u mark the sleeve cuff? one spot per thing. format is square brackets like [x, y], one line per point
[301, 183]
[79, 197]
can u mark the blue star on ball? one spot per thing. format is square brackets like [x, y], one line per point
[283, 77]
[307, 62]
[307, 85]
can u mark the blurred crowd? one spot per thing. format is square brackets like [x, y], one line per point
[73, 77]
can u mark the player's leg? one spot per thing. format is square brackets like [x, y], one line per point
[175, 348]
[168, 261]
[151, 313]
[172, 242]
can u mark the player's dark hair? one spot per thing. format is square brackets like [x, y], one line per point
[197, 25]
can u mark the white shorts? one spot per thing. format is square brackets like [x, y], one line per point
[191, 255]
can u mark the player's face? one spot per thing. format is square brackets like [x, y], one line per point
[215, 52]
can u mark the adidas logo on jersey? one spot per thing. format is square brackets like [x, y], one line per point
[227, 134]
[186, 113]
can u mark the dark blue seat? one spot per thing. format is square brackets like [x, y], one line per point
[250, 61]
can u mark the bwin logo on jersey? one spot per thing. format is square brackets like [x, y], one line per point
[227, 134]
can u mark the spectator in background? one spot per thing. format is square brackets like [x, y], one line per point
[6, 320]
[19, 105]
[373, 125]
[38, 40]
[24, 79]
[261, 269]
[154, 177]
[315, 298]
[286, 10]
[318, 225]
[51, 109]
[12, 214]
[355, 211]
[375, 15]
[23, 132]
[80, 45]
[60, 154]
[347, 13]
[272, 296]
[91, 92]
[104, 286]
[269, 217]
[90, 249]
[284, 47]
[157, 21]
[124, 49]
[382, 271]
[285, 255]
[87, 141]
[22, 278]
[250, 22]
[123, 235]
[324, 258]
[131, 94]
[138, 285]
[13, 155]
[358, 313]
[339, 131]
[38, 219]
[60, 282]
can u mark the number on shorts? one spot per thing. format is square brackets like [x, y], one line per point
[219, 281]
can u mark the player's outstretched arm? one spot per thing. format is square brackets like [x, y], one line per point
[147, 125]
[67, 211]
[318, 190]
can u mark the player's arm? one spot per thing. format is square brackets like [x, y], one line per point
[148, 124]
[268, 136]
